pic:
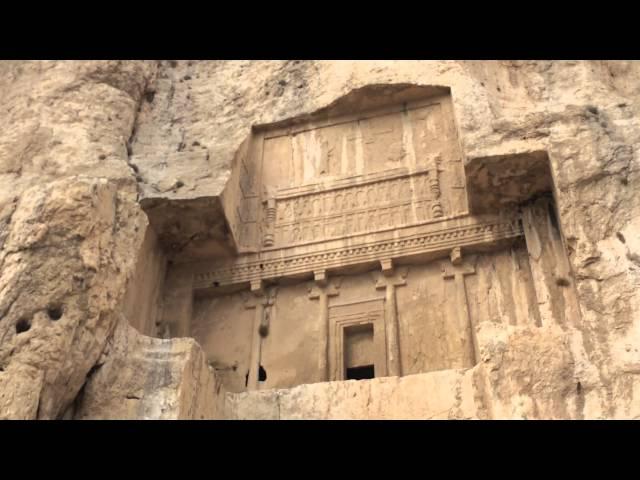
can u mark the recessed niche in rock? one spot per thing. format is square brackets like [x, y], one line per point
[358, 244]
[23, 325]
[55, 312]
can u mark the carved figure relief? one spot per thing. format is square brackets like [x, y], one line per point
[360, 173]
[362, 223]
[369, 205]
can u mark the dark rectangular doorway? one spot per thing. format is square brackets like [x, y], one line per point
[361, 373]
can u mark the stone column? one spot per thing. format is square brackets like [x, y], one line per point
[322, 290]
[268, 234]
[389, 280]
[457, 270]
[434, 186]
[262, 303]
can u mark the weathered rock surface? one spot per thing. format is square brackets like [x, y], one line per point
[71, 229]
[524, 374]
[435, 395]
[140, 377]
[64, 265]
[70, 221]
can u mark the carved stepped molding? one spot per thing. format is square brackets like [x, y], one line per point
[273, 264]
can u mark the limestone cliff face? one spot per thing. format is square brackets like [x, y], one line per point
[84, 144]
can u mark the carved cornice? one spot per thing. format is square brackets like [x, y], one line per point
[285, 262]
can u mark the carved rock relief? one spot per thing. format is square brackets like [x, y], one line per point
[400, 166]
[386, 188]
[368, 206]
[277, 263]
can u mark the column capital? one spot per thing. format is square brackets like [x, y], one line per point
[259, 295]
[462, 268]
[330, 287]
[257, 287]
[396, 277]
[456, 256]
[386, 265]
[320, 277]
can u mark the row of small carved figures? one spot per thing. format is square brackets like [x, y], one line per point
[371, 220]
[351, 198]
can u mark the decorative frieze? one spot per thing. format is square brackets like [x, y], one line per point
[369, 204]
[294, 261]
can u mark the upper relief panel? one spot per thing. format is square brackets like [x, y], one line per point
[358, 173]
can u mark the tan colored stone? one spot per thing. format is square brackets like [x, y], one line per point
[64, 267]
[141, 377]
[530, 167]
[378, 399]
